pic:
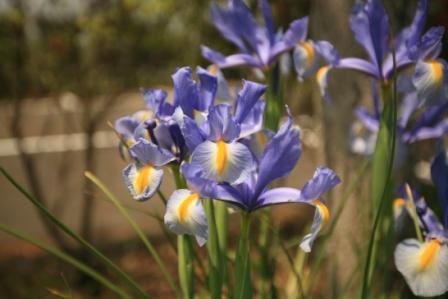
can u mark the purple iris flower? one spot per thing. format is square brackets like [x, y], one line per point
[214, 143]
[259, 46]
[277, 160]
[415, 52]
[413, 124]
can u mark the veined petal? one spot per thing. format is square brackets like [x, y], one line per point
[208, 86]
[185, 215]
[424, 266]
[247, 98]
[149, 153]
[154, 99]
[359, 65]
[230, 61]
[186, 92]
[430, 80]
[223, 162]
[323, 180]
[221, 123]
[253, 122]
[321, 217]
[296, 32]
[280, 155]
[142, 180]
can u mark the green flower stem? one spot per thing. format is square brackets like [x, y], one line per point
[383, 160]
[86, 245]
[213, 252]
[221, 218]
[137, 229]
[243, 286]
[185, 263]
[68, 259]
[414, 213]
[274, 99]
[184, 248]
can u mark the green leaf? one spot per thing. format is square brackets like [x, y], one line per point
[86, 245]
[152, 251]
[69, 259]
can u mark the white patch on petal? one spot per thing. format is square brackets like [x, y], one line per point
[321, 216]
[223, 162]
[142, 180]
[305, 59]
[424, 266]
[185, 215]
[430, 81]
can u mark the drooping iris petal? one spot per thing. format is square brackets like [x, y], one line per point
[142, 180]
[185, 215]
[321, 217]
[223, 162]
[280, 155]
[430, 45]
[247, 98]
[305, 59]
[323, 180]
[439, 174]
[322, 81]
[148, 153]
[424, 266]
[359, 65]
[228, 61]
[431, 81]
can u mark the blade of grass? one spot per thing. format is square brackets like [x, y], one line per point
[137, 229]
[86, 245]
[69, 259]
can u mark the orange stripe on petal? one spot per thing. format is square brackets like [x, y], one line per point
[322, 209]
[309, 52]
[221, 156]
[184, 206]
[428, 254]
[142, 179]
[322, 72]
[437, 71]
[399, 202]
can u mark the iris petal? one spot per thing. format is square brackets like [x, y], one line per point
[223, 162]
[424, 266]
[185, 215]
[142, 180]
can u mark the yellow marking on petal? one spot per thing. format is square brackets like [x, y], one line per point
[322, 209]
[213, 69]
[142, 178]
[428, 254]
[437, 71]
[309, 52]
[322, 72]
[144, 115]
[221, 156]
[184, 206]
[399, 202]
